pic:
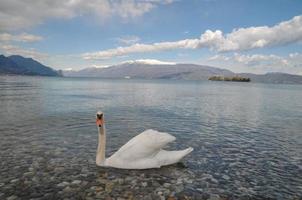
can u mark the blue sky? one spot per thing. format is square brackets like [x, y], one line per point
[243, 36]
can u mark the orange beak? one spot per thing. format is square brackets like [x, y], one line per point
[100, 122]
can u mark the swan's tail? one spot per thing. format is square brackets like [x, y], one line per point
[170, 157]
[186, 152]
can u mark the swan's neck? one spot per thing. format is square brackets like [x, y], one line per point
[100, 155]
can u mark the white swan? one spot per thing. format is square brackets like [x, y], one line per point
[144, 151]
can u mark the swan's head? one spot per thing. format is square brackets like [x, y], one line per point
[99, 115]
[99, 119]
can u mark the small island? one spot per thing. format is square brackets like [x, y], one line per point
[234, 78]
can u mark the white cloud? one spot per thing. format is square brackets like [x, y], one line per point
[131, 8]
[128, 40]
[256, 59]
[295, 55]
[257, 37]
[16, 14]
[286, 32]
[24, 37]
[219, 57]
[259, 63]
[141, 48]
[16, 50]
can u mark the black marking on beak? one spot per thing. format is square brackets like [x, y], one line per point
[99, 116]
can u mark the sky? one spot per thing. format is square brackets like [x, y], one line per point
[243, 36]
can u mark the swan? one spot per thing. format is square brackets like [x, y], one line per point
[144, 151]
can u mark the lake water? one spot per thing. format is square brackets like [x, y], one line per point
[247, 138]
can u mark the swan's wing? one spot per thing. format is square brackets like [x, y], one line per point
[145, 145]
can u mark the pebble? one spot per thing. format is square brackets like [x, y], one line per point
[84, 175]
[144, 184]
[67, 189]
[102, 180]
[214, 197]
[243, 189]
[35, 179]
[76, 182]
[167, 185]
[166, 192]
[120, 181]
[63, 184]
[13, 197]
[179, 188]
[190, 181]
[213, 180]
[155, 184]
[14, 180]
[99, 188]
[179, 181]
[28, 174]
[109, 187]
[128, 179]
[101, 196]
[226, 177]
[133, 182]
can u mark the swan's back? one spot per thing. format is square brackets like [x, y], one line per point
[142, 148]
[145, 144]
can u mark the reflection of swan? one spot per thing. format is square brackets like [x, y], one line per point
[141, 152]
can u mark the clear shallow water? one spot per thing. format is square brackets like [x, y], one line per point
[247, 138]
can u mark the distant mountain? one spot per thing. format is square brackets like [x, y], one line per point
[24, 66]
[9, 66]
[153, 70]
[274, 77]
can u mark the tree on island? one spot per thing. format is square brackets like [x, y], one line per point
[234, 78]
